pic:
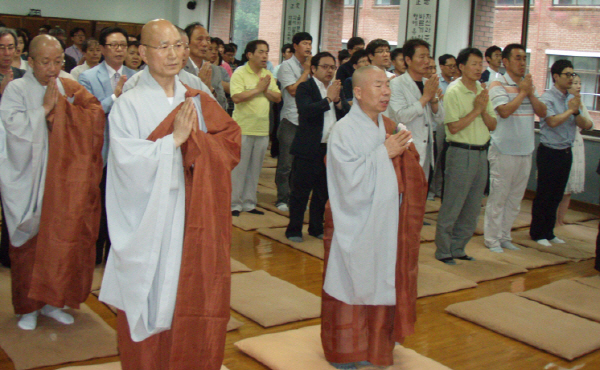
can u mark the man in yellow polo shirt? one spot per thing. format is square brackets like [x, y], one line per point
[469, 119]
[252, 89]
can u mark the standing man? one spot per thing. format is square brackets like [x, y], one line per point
[468, 122]
[346, 70]
[448, 67]
[92, 53]
[168, 193]
[321, 103]
[398, 62]
[105, 81]
[493, 56]
[50, 171]
[287, 51]
[515, 100]
[415, 100]
[198, 65]
[554, 156]
[292, 73]
[377, 194]
[76, 50]
[253, 87]
[379, 55]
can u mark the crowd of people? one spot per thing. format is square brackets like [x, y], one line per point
[160, 139]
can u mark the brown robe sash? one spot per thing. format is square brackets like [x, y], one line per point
[56, 267]
[196, 339]
[352, 333]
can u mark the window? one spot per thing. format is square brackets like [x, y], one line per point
[514, 2]
[351, 2]
[387, 2]
[588, 68]
[575, 2]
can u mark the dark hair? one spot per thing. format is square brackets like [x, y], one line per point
[57, 31]
[559, 66]
[465, 53]
[355, 41]
[287, 46]
[229, 49]
[395, 53]
[189, 29]
[234, 45]
[301, 36]
[409, 47]
[357, 56]
[86, 44]
[109, 31]
[374, 44]
[75, 30]
[133, 43]
[9, 31]
[314, 62]
[343, 54]
[25, 37]
[442, 60]
[509, 48]
[491, 50]
[253, 45]
[218, 41]
[47, 27]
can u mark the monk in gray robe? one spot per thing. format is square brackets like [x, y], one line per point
[50, 169]
[168, 200]
[377, 193]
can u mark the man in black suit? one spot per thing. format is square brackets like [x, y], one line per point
[320, 103]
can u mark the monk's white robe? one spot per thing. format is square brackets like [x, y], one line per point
[23, 156]
[185, 77]
[363, 193]
[145, 204]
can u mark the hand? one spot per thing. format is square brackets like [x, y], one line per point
[50, 97]
[574, 104]
[440, 94]
[7, 78]
[263, 83]
[431, 87]
[119, 86]
[481, 101]
[526, 85]
[306, 63]
[185, 122]
[333, 91]
[396, 144]
[484, 85]
[205, 74]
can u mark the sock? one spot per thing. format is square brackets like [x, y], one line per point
[544, 242]
[57, 314]
[496, 249]
[557, 240]
[510, 246]
[347, 366]
[28, 321]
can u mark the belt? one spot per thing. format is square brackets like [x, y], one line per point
[469, 146]
[565, 150]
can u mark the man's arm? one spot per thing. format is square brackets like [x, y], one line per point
[107, 101]
[309, 108]
[286, 78]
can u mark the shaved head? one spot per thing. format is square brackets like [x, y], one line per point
[162, 49]
[152, 30]
[363, 75]
[41, 42]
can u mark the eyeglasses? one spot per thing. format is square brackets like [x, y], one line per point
[117, 46]
[382, 51]
[9, 47]
[164, 48]
[326, 66]
[569, 75]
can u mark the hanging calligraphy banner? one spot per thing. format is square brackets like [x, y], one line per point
[421, 22]
[293, 19]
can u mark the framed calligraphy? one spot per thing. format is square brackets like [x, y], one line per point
[421, 22]
[293, 19]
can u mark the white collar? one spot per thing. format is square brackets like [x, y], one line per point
[111, 71]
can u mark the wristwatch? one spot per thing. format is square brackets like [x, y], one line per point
[576, 114]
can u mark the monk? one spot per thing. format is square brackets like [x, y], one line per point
[377, 193]
[168, 200]
[50, 169]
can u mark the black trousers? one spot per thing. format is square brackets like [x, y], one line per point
[554, 166]
[308, 175]
[103, 241]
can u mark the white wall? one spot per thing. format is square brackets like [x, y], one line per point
[136, 11]
[183, 16]
[453, 26]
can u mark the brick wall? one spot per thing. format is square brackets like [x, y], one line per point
[269, 27]
[375, 22]
[334, 16]
[483, 25]
[221, 20]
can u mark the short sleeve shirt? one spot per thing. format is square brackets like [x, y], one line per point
[513, 135]
[458, 102]
[289, 72]
[252, 115]
[563, 135]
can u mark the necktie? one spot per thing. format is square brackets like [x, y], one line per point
[115, 79]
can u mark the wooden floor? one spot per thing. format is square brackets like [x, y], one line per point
[455, 343]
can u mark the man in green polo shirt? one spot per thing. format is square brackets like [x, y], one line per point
[469, 119]
[253, 87]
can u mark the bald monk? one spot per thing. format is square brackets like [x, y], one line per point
[168, 200]
[186, 78]
[50, 169]
[377, 194]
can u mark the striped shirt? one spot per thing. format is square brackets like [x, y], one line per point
[513, 135]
